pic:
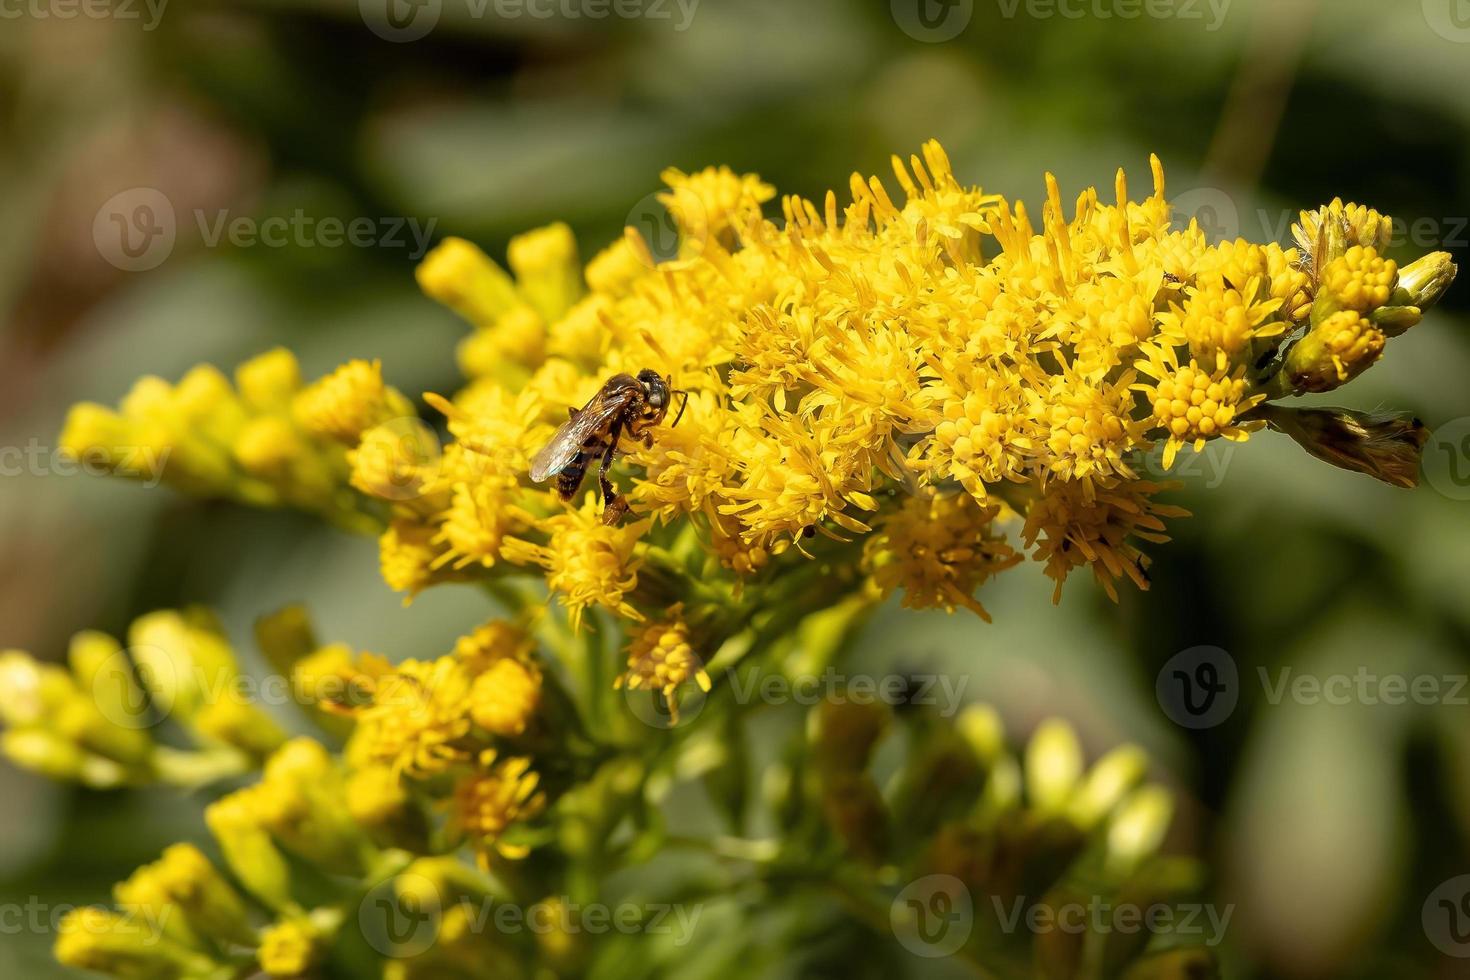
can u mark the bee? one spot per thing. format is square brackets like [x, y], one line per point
[624, 406]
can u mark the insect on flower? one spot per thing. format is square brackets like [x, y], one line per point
[624, 405]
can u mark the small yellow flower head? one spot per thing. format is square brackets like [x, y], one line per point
[547, 271]
[380, 804]
[268, 445]
[418, 718]
[465, 279]
[1325, 234]
[613, 271]
[711, 202]
[1221, 321]
[499, 794]
[235, 721]
[99, 435]
[398, 460]
[1360, 280]
[939, 549]
[1334, 352]
[290, 948]
[412, 557]
[299, 800]
[1193, 405]
[332, 678]
[268, 382]
[349, 401]
[1276, 273]
[504, 351]
[742, 557]
[474, 525]
[986, 436]
[492, 642]
[661, 658]
[210, 903]
[182, 659]
[1069, 529]
[1091, 430]
[504, 699]
[586, 561]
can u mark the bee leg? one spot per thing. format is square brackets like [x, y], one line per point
[613, 504]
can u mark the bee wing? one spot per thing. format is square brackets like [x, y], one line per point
[569, 439]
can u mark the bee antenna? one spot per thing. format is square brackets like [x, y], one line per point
[682, 405]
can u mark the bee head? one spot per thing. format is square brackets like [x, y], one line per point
[656, 388]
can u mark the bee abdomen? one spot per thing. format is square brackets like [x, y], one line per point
[570, 478]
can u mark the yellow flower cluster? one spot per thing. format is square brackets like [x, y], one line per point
[843, 369]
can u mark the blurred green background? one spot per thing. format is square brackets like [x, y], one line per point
[1327, 825]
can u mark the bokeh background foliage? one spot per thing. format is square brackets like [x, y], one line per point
[1326, 825]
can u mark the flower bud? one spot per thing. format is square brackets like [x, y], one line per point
[1334, 352]
[1138, 827]
[1053, 765]
[108, 942]
[249, 851]
[267, 382]
[465, 279]
[291, 948]
[1113, 776]
[547, 270]
[1423, 282]
[1385, 447]
[379, 803]
[207, 900]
